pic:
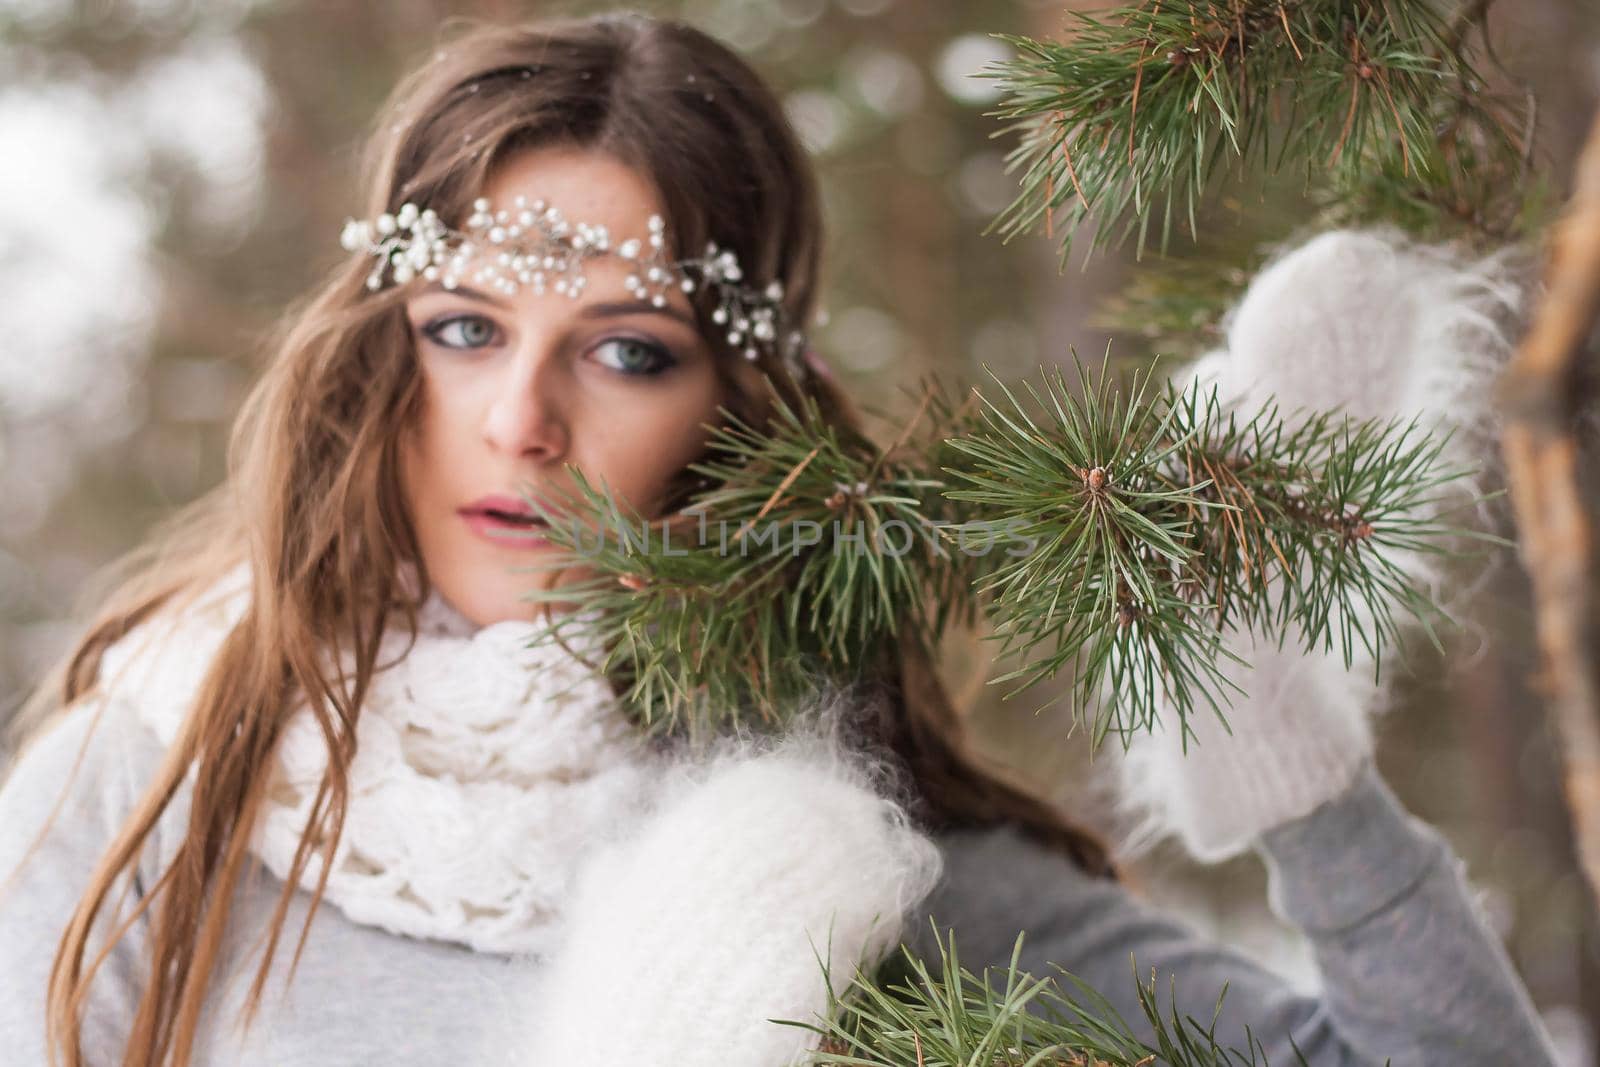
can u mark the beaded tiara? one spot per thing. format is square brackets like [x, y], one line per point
[538, 247]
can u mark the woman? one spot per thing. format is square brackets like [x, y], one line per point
[356, 578]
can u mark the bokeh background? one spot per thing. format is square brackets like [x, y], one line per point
[173, 173]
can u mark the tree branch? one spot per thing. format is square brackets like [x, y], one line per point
[1540, 395]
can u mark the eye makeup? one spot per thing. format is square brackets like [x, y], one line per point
[456, 331]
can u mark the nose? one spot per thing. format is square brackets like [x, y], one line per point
[525, 416]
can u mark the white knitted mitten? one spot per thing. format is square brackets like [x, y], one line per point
[716, 917]
[1366, 321]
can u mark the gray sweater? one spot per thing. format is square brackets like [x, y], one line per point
[1411, 971]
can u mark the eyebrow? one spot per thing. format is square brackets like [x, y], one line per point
[590, 311]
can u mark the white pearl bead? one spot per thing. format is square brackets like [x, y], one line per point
[541, 240]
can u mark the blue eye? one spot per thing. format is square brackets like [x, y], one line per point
[637, 356]
[476, 331]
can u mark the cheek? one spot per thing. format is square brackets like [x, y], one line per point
[442, 418]
[643, 448]
[430, 440]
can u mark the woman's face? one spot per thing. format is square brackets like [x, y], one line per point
[513, 387]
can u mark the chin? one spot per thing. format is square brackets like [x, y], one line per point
[501, 607]
[494, 591]
[482, 602]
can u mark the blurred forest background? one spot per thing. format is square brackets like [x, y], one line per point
[171, 174]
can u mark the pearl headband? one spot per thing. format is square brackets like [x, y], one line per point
[541, 248]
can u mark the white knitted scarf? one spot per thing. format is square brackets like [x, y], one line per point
[501, 799]
[484, 769]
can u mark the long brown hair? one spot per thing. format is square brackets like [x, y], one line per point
[313, 501]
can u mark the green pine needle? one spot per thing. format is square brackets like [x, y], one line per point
[1109, 534]
[905, 1014]
[1130, 119]
[1161, 521]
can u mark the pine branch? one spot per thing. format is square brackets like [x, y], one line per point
[907, 1015]
[1128, 121]
[814, 553]
[1113, 534]
[1174, 306]
[1162, 520]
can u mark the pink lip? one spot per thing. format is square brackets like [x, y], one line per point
[493, 518]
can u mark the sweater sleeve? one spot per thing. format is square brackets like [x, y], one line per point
[86, 788]
[1411, 972]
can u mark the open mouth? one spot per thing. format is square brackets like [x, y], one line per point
[508, 521]
[513, 518]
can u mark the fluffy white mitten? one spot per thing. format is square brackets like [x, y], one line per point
[718, 914]
[1372, 323]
